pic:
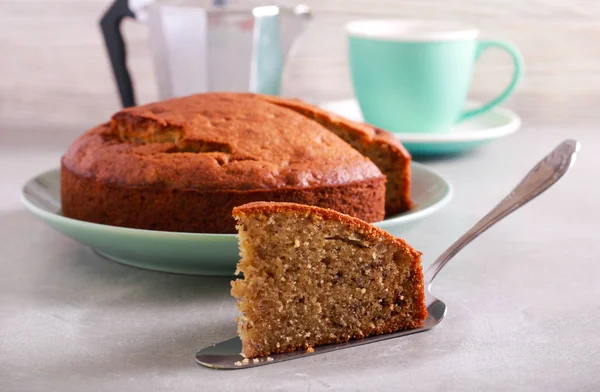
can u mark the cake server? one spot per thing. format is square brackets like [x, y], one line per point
[226, 355]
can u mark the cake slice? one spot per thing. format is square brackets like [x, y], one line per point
[315, 276]
[380, 146]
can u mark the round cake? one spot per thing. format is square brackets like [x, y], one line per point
[185, 163]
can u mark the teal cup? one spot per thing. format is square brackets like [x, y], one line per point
[414, 76]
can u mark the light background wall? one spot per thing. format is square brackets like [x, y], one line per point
[54, 71]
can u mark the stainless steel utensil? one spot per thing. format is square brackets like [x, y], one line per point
[198, 47]
[226, 355]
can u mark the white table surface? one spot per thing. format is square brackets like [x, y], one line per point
[524, 299]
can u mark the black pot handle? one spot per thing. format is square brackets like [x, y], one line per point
[111, 30]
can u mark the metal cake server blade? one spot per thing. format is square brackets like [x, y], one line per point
[227, 354]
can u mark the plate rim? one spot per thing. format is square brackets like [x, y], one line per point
[512, 125]
[98, 227]
[416, 215]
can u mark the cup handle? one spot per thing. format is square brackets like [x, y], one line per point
[517, 72]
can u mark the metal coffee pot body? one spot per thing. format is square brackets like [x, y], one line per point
[199, 49]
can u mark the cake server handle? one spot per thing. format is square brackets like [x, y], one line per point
[547, 172]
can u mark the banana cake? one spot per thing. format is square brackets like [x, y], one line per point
[184, 163]
[380, 146]
[315, 276]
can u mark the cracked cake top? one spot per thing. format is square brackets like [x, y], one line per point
[216, 141]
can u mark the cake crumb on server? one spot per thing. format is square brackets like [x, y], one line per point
[334, 300]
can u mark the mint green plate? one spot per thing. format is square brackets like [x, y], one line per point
[464, 136]
[193, 253]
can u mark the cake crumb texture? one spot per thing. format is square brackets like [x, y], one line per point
[315, 276]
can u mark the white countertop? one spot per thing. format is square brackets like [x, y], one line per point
[524, 300]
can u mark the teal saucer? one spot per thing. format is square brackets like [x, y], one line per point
[194, 253]
[464, 136]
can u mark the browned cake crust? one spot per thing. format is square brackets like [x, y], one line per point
[314, 276]
[188, 210]
[183, 164]
[380, 146]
